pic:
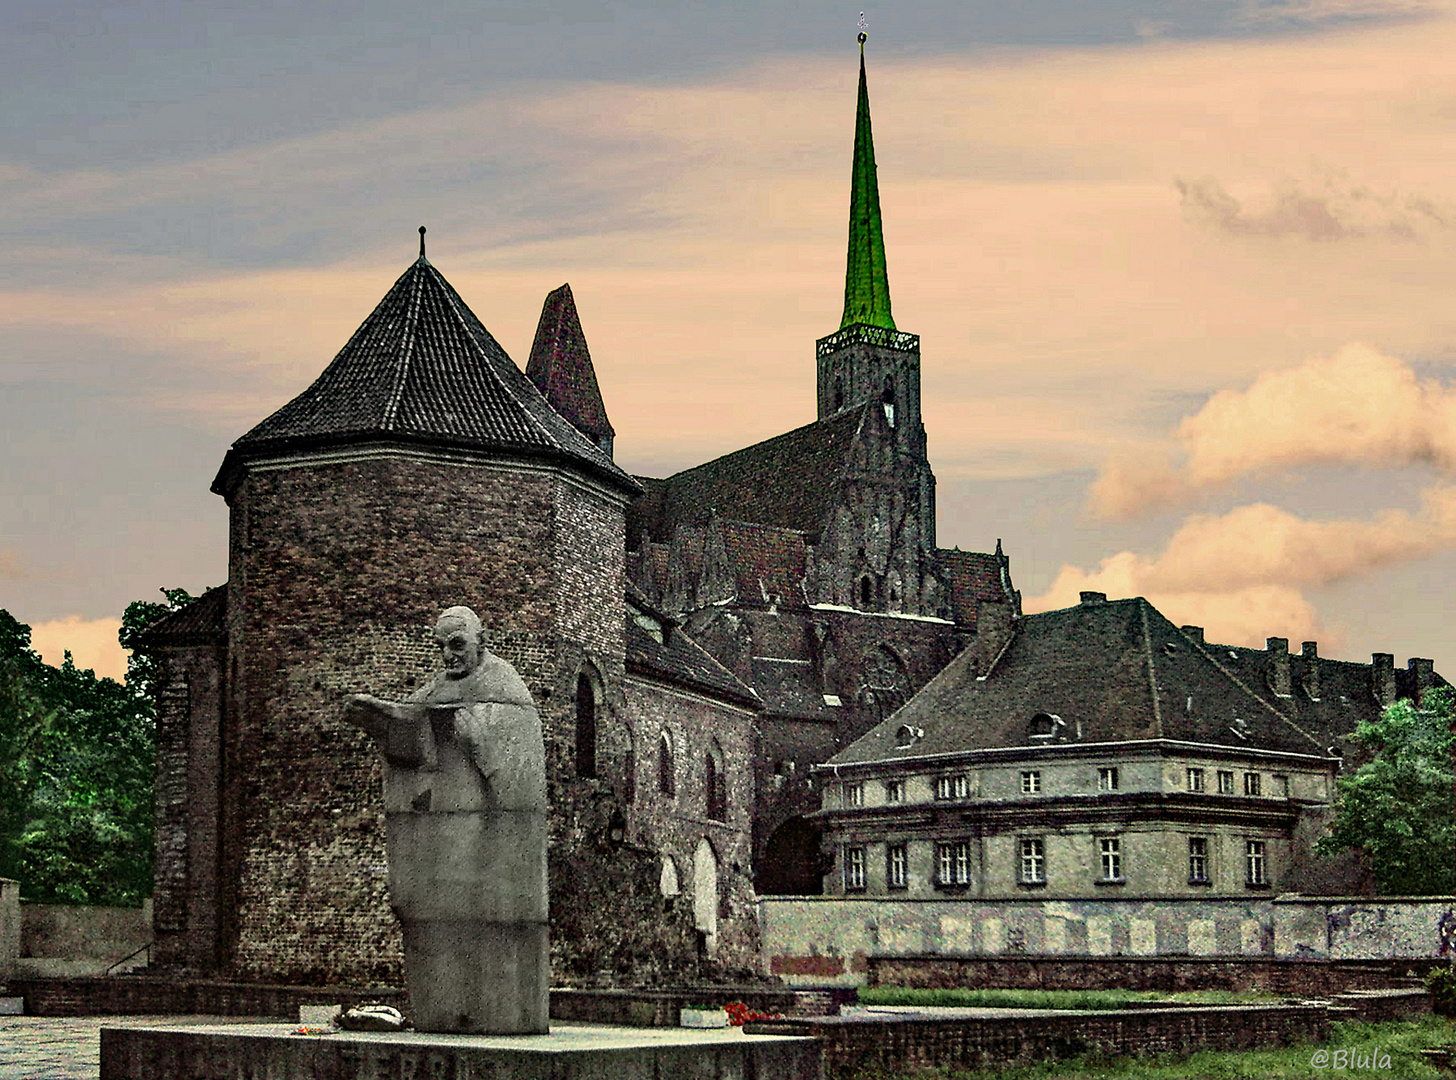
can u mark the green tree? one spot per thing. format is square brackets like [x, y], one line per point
[77, 761]
[1398, 806]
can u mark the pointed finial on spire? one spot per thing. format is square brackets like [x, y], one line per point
[422, 241]
[863, 28]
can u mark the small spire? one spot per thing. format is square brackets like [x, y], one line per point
[422, 241]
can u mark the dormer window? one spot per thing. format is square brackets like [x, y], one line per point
[1046, 727]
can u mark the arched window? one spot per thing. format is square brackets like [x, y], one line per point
[665, 783]
[586, 726]
[838, 393]
[888, 400]
[715, 785]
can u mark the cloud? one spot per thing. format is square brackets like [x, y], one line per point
[1358, 407]
[1339, 212]
[92, 643]
[1240, 574]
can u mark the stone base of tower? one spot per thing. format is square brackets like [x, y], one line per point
[568, 1052]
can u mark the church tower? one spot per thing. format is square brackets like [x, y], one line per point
[869, 359]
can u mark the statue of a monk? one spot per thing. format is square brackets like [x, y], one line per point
[465, 818]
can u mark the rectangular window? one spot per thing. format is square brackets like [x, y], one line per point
[1225, 782]
[854, 869]
[1251, 783]
[854, 794]
[897, 872]
[894, 791]
[1111, 858]
[1258, 867]
[1197, 860]
[1030, 782]
[953, 863]
[952, 787]
[1107, 778]
[1033, 861]
[1195, 779]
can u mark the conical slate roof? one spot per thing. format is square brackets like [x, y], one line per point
[561, 368]
[422, 369]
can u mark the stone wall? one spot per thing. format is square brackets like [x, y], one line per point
[67, 932]
[677, 824]
[831, 939]
[9, 926]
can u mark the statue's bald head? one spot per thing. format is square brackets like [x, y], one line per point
[461, 639]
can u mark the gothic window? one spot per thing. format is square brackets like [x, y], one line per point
[887, 399]
[586, 726]
[838, 393]
[864, 591]
[665, 782]
[715, 785]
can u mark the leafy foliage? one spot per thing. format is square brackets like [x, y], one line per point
[1398, 806]
[1441, 982]
[77, 758]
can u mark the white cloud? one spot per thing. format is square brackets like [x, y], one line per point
[1357, 407]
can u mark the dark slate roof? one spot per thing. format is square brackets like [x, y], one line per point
[789, 481]
[422, 369]
[202, 622]
[974, 578]
[1115, 670]
[790, 688]
[766, 560]
[1330, 704]
[682, 661]
[561, 367]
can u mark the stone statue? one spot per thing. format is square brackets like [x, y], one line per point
[465, 820]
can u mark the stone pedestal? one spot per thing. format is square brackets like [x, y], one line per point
[569, 1052]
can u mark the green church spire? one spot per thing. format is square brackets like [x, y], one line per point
[866, 284]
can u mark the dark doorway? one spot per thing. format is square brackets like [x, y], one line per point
[791, 861]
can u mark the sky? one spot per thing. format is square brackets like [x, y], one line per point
[1182, 269]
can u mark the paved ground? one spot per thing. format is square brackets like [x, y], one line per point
[69, 1048]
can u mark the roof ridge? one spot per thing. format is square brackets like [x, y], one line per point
[1142, 607]
[410, 332]
[451, 297]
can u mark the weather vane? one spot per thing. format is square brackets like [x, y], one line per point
[863, 26]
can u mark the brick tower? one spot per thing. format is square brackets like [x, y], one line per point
[422, 469]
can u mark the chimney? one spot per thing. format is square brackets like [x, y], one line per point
[1090, 598]
[1382, 678]
[1194, 632]
[1311, 669]
[1422, 676]
[1277, 673]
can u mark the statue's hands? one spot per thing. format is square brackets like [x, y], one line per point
[370, 713]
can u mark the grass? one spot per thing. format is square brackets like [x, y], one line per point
[1399, 1041]
[1050, 999]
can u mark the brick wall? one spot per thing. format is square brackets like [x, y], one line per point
[339, 570]
[861, 1046]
